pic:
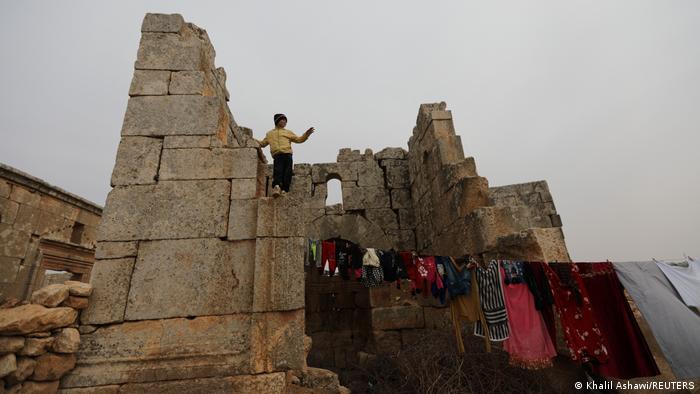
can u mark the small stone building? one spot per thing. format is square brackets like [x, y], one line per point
[47, 235]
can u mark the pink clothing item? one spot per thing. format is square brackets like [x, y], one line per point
[529, 344]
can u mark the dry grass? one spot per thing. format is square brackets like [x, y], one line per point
[433, 366]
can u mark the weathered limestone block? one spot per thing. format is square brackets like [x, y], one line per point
[215, 163]
[187, 141]
[243, 188]
[300, 187]
[167, 210]
[75, 302]
[323, 380]
[369, 174]
[397, 176]
[538, 244]
[277, 341]
[243, 219]
[279, 274]
[9, 268]
[51, 366]
[365, 197]
[391, 153]
[280, 217]
[172, 115]
[5, 189]
[401, 198]
[30, 318]
[137, 161]
[321, 173]
[30, 387]
[469, 193]
[36, 346]
[397, 317]
[220, 75]
[187, 82]
[66, 341]
[51, 295]
[111, 279]
[149, 83]
[191, 277]
[8, 210]
[109, 389]
[163, 51]
[385, 342]
[11, 344]
[384, 217]
[273, 383]
[13, 243]
[25, 368]
[115, 250]
[80, 289]
[170, 349]
[403, 239]
[164, 23]
[407, 219]
[8, 364]
[347, 154]
[24, 196]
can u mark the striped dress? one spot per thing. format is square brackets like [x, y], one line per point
[492, 303]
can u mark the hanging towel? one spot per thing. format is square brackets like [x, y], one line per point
[370, 258]
[686, 280]
[675, 326]
[492, 303]
[467, 307]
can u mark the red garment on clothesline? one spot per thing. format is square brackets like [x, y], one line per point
[328, 254]
[581, 332]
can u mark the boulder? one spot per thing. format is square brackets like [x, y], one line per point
[36, 346]
[52, 366]
[34, 318]
[11, 344]
[8, 364]
[51, 295]
[67, 341]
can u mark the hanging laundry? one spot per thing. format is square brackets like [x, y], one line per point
[581, 332]
[529, 345]
[423, 274]
[311, 253]
[328, 255]
[458, 278]
[492, 302]
[629, 354]
[370, 258]
[544, 301]
[675, 326]
[401, 272]
[437, 287]
[342, 250]
[387, 259]
[467, 307]
[686, 280]
[372, 276]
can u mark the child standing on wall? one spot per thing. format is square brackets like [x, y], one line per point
[280, 140]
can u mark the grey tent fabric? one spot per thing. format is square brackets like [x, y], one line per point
[676, 327]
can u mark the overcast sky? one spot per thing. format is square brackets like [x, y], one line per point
[601, 99]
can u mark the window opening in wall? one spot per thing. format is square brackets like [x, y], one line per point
[76, 235]
[335, 192]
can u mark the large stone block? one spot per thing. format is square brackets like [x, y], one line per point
[407, 219]
[397, 176]
[167, 210]
[110, 279]
[13, 243]
[280, 217]
[397, 317]
[218, 163]
[149, 83]
[273, 383]
[279, 274]
[277, 341]
[391, 153]
[243, 219]
[365, 197]
[24, 196]
[163, 51]
[243, 188]
[5, 189]
[51, 366]
[164, 23]
[115, 250]
[31, 318]
[137, 161]
[321, 173]
[191, 277]
[172, 115]
[369, 174]
[9, 267]
[403, 239]
[156, 350]
[187, 141]
[384, 217]
[8, 210]
[187, 82]
[401, 198]
[347, 155]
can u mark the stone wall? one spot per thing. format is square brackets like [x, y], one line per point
[38, 340]
[42, 227]
[198, 277]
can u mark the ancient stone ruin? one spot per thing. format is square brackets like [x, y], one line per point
[199, 279]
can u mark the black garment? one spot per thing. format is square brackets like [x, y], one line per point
[387, 260]
[539, 286]
[282, 170]
[401, 271]
[356, 256]
[342, 249]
